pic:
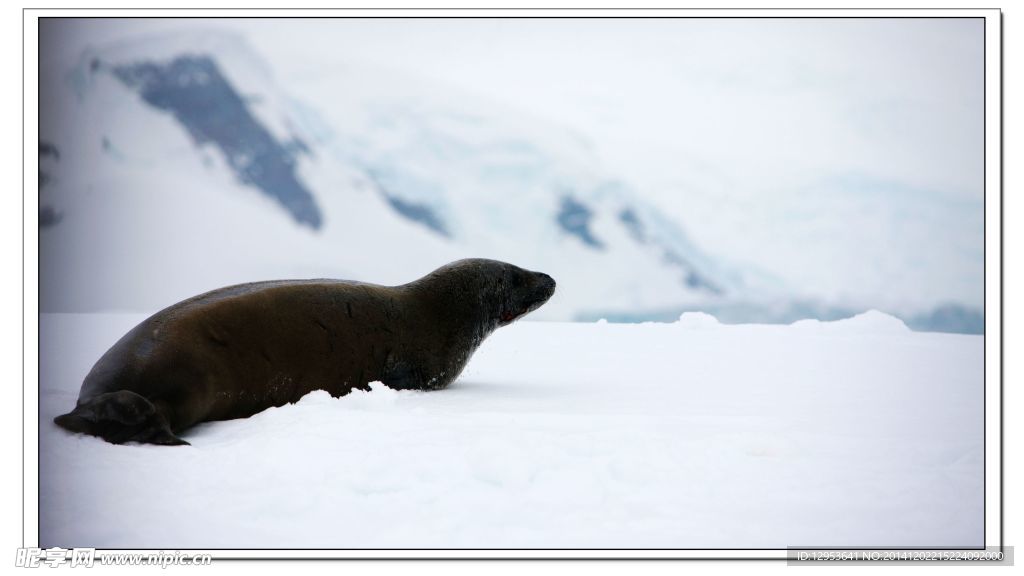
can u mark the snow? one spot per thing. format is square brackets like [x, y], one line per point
[558, 435]
[871, 321]
[697, 320]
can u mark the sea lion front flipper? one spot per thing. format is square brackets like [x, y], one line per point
[120, 417]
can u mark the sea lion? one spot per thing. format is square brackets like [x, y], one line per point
[236, 351]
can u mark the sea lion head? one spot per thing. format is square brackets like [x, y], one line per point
[495, 293]
[521, 292]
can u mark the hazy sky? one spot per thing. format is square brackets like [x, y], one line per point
[762, 100]
[774, 100]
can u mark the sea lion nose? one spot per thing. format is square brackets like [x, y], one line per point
[546, 282]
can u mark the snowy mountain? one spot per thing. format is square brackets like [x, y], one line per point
[404, 184]
[180, 164]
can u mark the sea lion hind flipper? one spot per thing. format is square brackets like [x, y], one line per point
[119, 417]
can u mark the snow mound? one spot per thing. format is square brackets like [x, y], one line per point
[870, 322]
[378, 398]
[698, 320]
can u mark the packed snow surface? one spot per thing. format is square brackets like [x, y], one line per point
[692, 434]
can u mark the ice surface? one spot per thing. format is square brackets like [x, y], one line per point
[851, 433]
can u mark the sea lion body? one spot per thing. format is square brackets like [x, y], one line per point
[237, 351]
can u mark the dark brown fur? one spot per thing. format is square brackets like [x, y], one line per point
[236, 351]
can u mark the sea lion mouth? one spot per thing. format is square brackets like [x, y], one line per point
[509, 317]
[513, 315]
